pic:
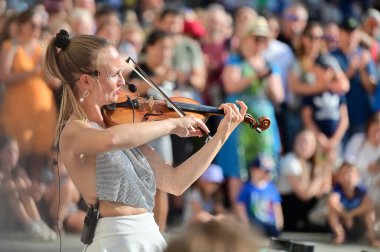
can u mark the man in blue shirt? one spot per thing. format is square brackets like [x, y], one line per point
[359, 67]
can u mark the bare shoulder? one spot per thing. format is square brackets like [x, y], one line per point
[71, 132]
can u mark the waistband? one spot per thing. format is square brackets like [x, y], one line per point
[125, 225]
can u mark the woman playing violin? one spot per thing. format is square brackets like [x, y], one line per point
[114, 167]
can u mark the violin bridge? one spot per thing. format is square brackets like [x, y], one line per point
[151, 102]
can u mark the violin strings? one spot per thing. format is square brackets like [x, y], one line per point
[143, 75]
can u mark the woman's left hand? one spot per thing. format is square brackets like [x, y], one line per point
[233, 116]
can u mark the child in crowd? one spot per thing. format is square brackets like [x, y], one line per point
[63, 193]
[259, 202]
[20, 193]
[325, 113]
[363, 150]
[204, 201]
[301, 182]
[350, 210]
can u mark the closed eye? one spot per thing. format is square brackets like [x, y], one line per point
[115, 75]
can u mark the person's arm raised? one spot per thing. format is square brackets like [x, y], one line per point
[176, 181]
[82, 139]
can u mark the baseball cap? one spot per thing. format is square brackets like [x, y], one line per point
[264, 162]
[214, 173]
[194, 28]
[349, 24]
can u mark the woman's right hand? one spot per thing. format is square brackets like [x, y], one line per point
[189, 126]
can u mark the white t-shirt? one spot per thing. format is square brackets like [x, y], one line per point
[290, 165]
[362, 153]
[282, 55]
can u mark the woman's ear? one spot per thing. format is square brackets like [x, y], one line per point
[84, 82]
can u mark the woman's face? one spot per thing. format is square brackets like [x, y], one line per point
[305, 145]
[252, 45]
[32, 28]
[172, 23]
[313, 40]
[110, 80]
[161, 52]
[9, 155]
[243, 17]
[111, 32]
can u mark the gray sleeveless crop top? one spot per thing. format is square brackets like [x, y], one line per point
[125, 176]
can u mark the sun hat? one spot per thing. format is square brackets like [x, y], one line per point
[214, 173]
[260, 27]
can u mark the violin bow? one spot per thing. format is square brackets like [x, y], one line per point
[137, 69]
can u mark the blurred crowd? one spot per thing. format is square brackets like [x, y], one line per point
[311, 67]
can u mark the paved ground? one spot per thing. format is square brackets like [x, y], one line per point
[17, 242]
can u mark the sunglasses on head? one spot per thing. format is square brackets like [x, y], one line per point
[329, 38]
[292, 18]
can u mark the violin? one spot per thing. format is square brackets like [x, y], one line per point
[139, 109]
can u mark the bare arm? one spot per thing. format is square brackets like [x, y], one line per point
[364, 207]
[233, 81]
[301, 88]
[305, 191]
[279, 216]
[241, 213]
[275, 89]
[333, 203]
[341, 82]
[80, 138]
[176, 181]
[368, 81]
[6, 75]
[342, 127]
[307, 119]
[197, 78]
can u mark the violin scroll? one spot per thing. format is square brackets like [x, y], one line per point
[260, 126]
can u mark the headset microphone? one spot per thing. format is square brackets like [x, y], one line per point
[131, 87]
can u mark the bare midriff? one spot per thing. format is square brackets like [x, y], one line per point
[113, 209]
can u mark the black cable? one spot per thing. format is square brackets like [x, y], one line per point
[55, 164]
[133, 109]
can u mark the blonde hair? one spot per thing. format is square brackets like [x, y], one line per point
[78, 55]
[226, 235]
